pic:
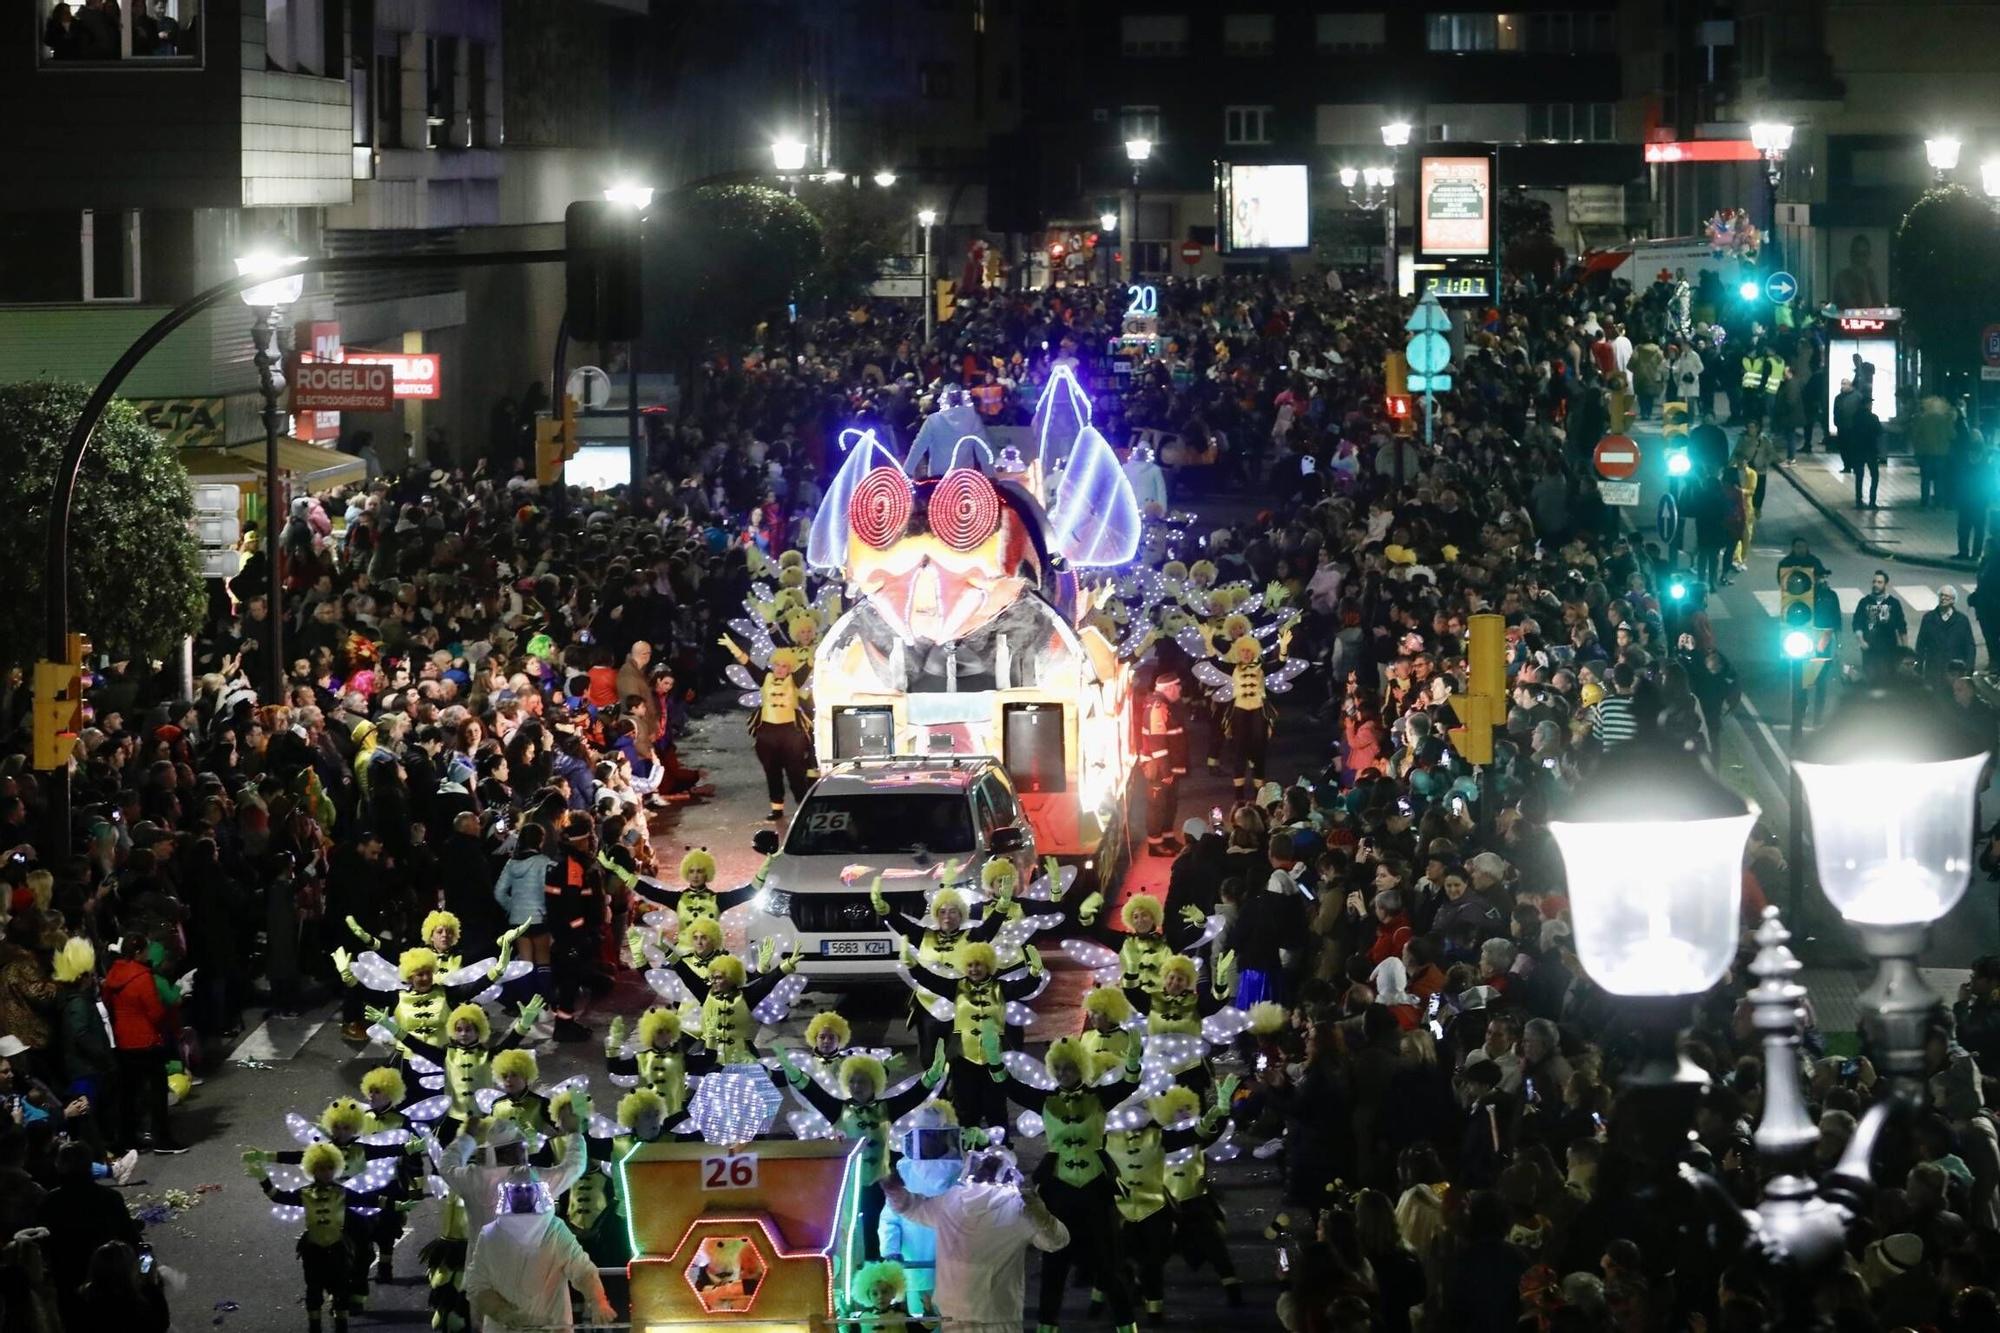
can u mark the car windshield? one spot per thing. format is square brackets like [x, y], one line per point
[881, 822]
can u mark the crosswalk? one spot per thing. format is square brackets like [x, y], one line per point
[1916, 600]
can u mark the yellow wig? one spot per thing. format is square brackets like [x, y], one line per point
[318, 1155]
[516, 1063]
[944, 898]
[1235, 626]
[1245, 649]
[443, 920]
[414, 961]
[727, 966]
[346, 1117]
[979, 951]
[997, 869]
[473, 1014]
[829, 1020]
[791, 558]
[702, 931]
[698, 861]
[1266, 1017]
[884, 1273]
[1173, 569]
[77, 959]
[635, 1104]
[878, 1077]
[1170, 1106]
[385, 1080]
[1180, 965]
[787, 657]
[1142, 903]
[1073, 1051]
[1108, 1002]
[655, 1021]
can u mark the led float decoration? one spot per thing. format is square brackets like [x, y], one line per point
[970, 574]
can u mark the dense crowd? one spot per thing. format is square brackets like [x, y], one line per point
[484, 683]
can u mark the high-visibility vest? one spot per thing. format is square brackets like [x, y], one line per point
[1774, 374]
[1753, 372]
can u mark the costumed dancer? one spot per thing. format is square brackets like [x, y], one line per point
[370, 1162]
[936, 940]
[593, 1210]
[390, 1108]
[875, 1298]
[333, 1213]
[1244, 689]
[978, 1004]
[731, 1007]
[696, 899]
[1198, 1230]
[1139, 1143]
[860, 1107]
[659, 1059]
[779, 720]
[1183, 1019]
[1075, 1176]
[466, 1057]
[427, 984]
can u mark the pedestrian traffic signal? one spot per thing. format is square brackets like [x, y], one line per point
[1749, 289]
[947, 301]
[1797, 590]
[1398, 406]
[1798, 644]
[601, 271]
[1484, 704]
[58, 710]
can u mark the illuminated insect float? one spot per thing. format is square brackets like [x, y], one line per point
[740, 1231]
[969, 631]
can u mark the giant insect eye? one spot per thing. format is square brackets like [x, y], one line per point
[880, 509]
[964, 509]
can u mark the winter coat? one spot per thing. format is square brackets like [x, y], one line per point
[522, 889]
[140, 1020]
[28, 996]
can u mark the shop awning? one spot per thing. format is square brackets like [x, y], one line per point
[312, 466]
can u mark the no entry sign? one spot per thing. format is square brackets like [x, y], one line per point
[1616, 457]
[343, 386]
[1190, 253]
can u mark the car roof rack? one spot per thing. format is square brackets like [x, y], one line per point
[946, 763]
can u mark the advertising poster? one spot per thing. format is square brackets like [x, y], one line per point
[1455, 206]
[1269, 207]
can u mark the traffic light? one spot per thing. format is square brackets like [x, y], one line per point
[556, 442]
[1396, 375]
[58, 715]
[1797, 589]
[1484, 704]
[947, 300]
[1398, 406]
[601, 271]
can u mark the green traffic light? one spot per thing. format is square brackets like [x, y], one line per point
[1679, 464]
[1749, 291]
[1798, 645]
[1678, 590]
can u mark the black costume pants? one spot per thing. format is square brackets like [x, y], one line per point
[785, 752]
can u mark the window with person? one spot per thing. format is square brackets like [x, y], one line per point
[98, 32]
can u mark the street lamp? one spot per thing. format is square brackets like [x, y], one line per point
[1395, 136]
[637, 198]
[1348, 177]
[1989, 178]
[282, 286]
[788, 154]
[1892, 784]
[1138, 150]
[1772, 139]
[885, 178]
[927, 218]
[1942, 154]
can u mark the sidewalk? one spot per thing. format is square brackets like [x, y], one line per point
[1899, 530]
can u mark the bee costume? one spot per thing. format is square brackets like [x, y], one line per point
[978, 1023]
[328, 1245]
[697, 899]
[1242, 684]
[779, 720]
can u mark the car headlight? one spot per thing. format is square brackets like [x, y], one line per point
[773, 902]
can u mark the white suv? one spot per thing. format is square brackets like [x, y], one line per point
[905, 818]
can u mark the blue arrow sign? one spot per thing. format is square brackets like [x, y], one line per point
[1669, 518]
[1780, 288]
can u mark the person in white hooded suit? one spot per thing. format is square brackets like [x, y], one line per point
[526, 1262]
[984, 1227]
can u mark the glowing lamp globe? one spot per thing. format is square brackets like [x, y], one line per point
[1942, 152]
[1349, 176]
[1748, 290]
[282, 287]
[1891, 783]
[788, 154]
[1653, 847]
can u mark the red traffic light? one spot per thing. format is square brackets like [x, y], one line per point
[1398, 405]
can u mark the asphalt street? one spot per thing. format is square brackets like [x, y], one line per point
[238, 1263]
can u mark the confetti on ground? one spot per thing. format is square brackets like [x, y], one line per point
[152, 1212]
[223, 1309]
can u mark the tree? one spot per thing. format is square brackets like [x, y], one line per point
[732, 256]
[858, 230]
[1946, 248]
[135, 582]
[1528, 245]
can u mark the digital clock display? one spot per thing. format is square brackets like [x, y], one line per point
[1458, 285]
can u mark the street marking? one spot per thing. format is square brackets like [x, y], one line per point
[1916, 600]
[276, 1039]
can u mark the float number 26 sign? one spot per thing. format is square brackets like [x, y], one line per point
[729, 1171]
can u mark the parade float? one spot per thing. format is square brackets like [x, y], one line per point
[972, 574]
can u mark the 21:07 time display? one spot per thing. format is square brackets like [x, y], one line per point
[1460, 285]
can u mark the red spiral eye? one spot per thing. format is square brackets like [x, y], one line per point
[880, 509]
[964, 509]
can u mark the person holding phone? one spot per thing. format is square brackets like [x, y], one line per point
[123, 1291]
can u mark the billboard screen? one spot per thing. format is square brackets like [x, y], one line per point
[1266, 207]
[1455, 206]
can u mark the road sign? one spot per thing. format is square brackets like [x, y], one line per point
[1190, 253]
[1668, 521]
[590, 386]
[1616, 457]
[1437, 383]
[1780, 288]
[343, 386]
[1624, 494]
[1989, 344]
[1428, 317]
[1427, 353]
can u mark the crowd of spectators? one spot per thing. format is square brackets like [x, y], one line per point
[467, 656]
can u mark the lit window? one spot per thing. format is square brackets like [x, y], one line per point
[148, 33]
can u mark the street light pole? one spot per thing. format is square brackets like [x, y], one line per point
[638, 197]
[1137, 151]
[1772, 139]
[1395, 135]
[271, 383]
[928, 219]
